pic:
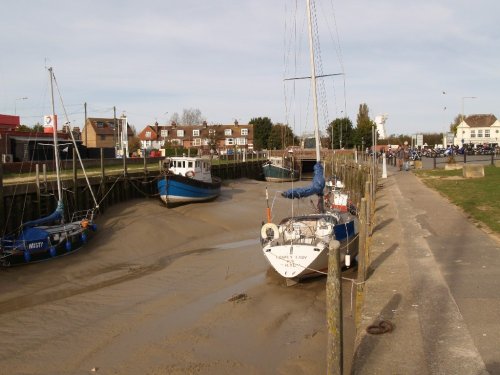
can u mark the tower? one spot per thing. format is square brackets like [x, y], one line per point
[380, 122]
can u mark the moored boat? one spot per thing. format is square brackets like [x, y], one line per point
[280, 169]
[59, 233]
[299, 245]
[188, 179]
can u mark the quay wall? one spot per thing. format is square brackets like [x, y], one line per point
[28, 200]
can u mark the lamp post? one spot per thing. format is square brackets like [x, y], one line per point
[15, 103]
[463, 98]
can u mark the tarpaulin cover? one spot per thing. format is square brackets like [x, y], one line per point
[317, 186]
[56, 215]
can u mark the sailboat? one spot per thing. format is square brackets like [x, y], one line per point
[56, 234]
[298, 246]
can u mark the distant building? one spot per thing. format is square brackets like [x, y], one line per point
[478, 129]
[220, 138]
[380, 122]
[105, 133]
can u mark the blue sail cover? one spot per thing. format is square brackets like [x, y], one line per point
[56, 215]
[317, 186]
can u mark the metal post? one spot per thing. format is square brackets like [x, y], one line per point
[75, 182]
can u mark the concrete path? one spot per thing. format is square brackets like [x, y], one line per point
[436, 276]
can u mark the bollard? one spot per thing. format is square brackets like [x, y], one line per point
[334, 311]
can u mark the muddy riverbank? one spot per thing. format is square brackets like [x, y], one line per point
[167, 291]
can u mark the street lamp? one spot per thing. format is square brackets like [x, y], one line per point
[466, 97]
[15, 103]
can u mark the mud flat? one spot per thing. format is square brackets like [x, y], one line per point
[167, 291]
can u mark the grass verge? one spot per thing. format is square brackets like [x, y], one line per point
[478, 197]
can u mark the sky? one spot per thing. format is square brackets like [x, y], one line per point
[421, 63]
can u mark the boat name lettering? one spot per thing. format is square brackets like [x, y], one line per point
[35, 245]
[287, 257]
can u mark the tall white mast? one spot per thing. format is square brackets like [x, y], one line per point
[54, 124]
[313, 78]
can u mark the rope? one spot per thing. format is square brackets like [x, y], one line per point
[132, 182]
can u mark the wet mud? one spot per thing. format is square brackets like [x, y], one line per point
[168, 291]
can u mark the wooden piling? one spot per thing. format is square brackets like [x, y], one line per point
[334, 311]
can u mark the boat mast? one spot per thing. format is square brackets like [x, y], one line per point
[313, 80]
[54, 125]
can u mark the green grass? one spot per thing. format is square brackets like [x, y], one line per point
[478, 197]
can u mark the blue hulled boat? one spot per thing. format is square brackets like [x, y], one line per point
[54, 235]
[187, 180]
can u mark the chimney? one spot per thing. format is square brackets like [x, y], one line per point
[174, 124]
[156, 130]
[235, 122]
[205, 124]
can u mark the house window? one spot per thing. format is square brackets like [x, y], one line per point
[229, 141]
[473, 134]
[228, 132]
[197, 142]
[148, 134]
[164, 133]
[196, 132]
[241, 141]
[244, 131]
[206, 141]
[180, 133]
[102, 137]
[100, 124]
[176, 141]
[487, 133]
[211, 131]
[480, 133]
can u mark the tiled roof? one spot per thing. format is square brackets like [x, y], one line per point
[107, 125]
[480, 121]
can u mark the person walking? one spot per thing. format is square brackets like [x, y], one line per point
[406, 157]
[400, 157]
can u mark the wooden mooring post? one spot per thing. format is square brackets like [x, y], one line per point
[334, 311]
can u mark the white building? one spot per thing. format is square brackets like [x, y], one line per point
[478, 129]
[380, 122]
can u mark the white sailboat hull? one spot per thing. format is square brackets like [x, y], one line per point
[297, 260]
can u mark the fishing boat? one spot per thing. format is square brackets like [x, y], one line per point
[188, 179]
[280, 169]
[298, 246]
[57, 234]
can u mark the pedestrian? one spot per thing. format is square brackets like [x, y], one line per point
[399, 157]
[406, 157]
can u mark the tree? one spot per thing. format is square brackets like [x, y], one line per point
[455, 123]
[261, 132]
[38, 127]
[134, 143]
[23, 128]
[215, 134]
[340, 133]
[191, 116]
[175, 118]
[280, 137]
[363, 132]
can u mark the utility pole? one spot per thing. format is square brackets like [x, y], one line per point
[86, 139]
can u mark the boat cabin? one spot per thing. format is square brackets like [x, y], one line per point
[192, 167]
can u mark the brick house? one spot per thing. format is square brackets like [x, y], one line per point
[204, 137]
[104, 132]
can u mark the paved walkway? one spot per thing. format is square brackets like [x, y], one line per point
[436, 276]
